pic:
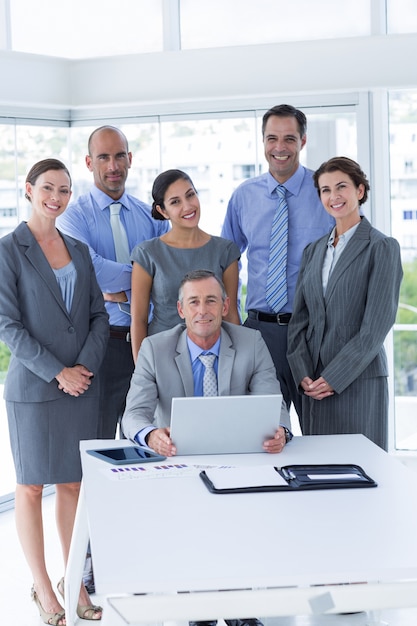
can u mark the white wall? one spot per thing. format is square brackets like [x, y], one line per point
[149, 84]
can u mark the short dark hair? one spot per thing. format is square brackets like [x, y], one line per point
[106, 127]
[160, 186]
[286, 110]
[44, 166]
[347, 166]
[195, 275]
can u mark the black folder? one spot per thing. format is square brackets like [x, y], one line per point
[288, 478]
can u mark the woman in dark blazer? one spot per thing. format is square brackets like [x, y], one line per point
[345, 304]
[53, 320]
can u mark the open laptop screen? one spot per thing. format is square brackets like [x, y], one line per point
[224, 424]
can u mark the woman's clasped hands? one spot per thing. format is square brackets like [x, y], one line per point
[317, 389]
[74, 380]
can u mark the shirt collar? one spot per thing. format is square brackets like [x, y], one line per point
[346, 236]
[292, 185]
[103, 200]
[195, 350]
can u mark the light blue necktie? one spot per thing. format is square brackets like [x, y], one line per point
[121, 244]
[209, 378]
[276, 282]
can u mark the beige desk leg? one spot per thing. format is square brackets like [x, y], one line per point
[76, 560]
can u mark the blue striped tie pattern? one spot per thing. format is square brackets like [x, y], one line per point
[276, 282]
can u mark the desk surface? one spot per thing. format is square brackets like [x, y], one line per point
[166, 535]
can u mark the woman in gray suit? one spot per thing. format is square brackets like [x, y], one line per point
[345, 303]
[53, 320]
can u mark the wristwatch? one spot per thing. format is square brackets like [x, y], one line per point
[288, 434]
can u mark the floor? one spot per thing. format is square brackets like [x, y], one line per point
[17, 609]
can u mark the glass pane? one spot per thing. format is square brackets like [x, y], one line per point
[7, 474]
[9, 191]
[401, 16]
[8, 221]
[77, 29]
[208, 24]
[403, 151]
[218, 154]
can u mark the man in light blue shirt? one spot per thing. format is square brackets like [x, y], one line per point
[248, 223]
[88, 219]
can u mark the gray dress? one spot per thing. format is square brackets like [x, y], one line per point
[168, 265]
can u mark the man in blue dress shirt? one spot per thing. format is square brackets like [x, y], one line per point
[248, 223]
[88, 219]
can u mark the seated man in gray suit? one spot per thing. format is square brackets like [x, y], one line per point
[168, 366]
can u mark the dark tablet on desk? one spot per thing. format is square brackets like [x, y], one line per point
[127, 455]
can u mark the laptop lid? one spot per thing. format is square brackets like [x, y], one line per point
[224, 424]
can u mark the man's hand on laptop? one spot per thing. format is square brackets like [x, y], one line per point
[277, 444]
[160, 441]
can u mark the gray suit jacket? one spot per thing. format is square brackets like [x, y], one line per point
[35, 324]
[340, 335]
[163, 371]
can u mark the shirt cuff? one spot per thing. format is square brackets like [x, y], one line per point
[141, 435]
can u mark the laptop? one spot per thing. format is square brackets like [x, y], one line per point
[224, 424]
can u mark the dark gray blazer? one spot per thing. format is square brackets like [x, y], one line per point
[163, 371]
[35, 324]
[345, 329]
[340, 336]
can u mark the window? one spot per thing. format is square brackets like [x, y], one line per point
[403, 125]
[218, 152]
[77, 29]
[401, 16]
[245, 22]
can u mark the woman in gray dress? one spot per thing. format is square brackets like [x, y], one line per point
[159, 264]
[53, 320]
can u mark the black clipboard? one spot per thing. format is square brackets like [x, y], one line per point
[294, 478]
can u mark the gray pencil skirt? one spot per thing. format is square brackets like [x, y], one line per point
[45, 437]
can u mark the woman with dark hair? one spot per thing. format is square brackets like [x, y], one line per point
[53, 320]
[345, 304]
[159, 264]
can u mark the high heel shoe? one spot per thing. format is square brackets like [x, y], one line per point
[87, 611]
[53, 619]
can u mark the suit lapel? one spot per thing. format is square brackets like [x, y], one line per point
[226, 359]
[39, 263]
[315, 276]
[183, 362]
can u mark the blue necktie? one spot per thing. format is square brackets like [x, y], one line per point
[276, 282]
[209, 378]
[121, 244]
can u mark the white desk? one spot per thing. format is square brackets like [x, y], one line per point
[179, 537]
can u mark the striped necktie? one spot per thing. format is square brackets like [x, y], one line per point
[209, 378]
[276, 282]
[121, 244]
